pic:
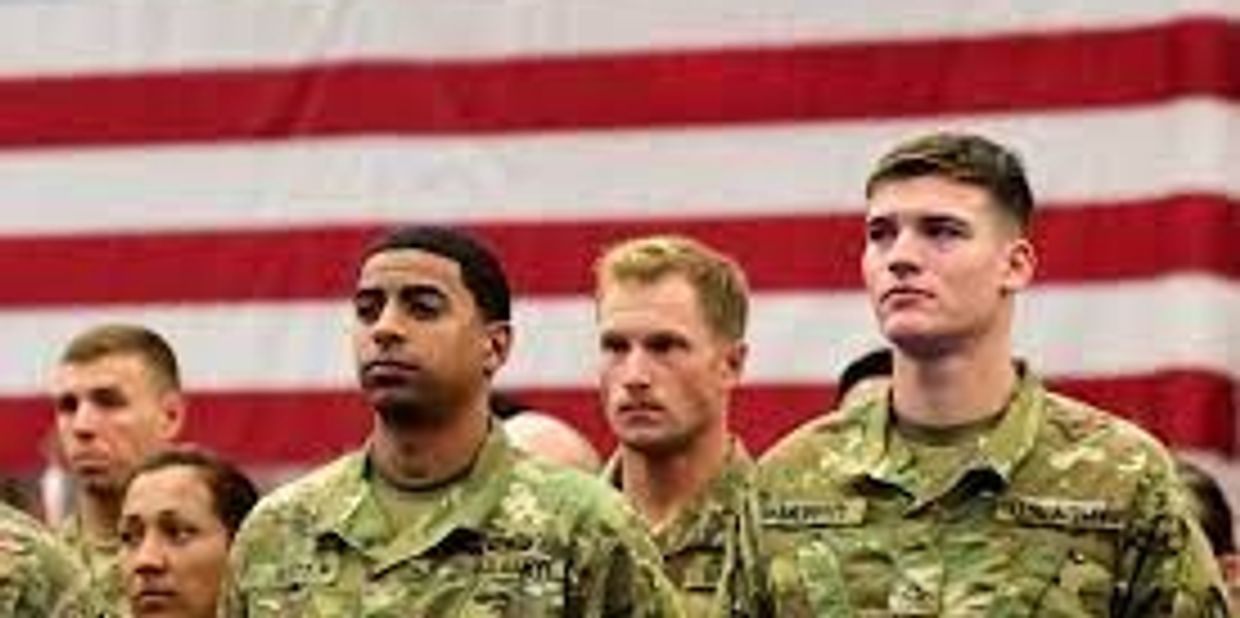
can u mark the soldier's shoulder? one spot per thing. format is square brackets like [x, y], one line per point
[304, 498]
[32, 558]
[567, 491]
[1095, 450]
[22, 535]
[805, 445]
[1075, 423]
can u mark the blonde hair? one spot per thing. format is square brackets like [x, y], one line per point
[722, 292]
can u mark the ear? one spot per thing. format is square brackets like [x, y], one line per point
[735, 355]
[499, 345]
[172, 414]
[1021, 262]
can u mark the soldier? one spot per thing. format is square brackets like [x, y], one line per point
[117, 397]
[672, 315]
[971, 490]
[36, 570]
[437, 515]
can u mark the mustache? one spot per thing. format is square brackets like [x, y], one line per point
[639, 404]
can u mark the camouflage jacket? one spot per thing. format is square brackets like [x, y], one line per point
[1060, 510]
[36, 570]
[710, 549]
[514, 537]
[101, 559]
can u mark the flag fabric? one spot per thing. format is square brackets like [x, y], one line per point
[211, 169]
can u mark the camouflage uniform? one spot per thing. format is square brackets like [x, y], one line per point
[103, 567]
[1059, 509]
[710, 549]
[35, 569]
[515, 537]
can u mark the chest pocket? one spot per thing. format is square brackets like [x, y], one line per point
[806, 573]
[517, 583]
[1063, 551]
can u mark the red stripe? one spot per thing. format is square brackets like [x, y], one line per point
[669, 88]
[779, 252]
[1187, 408]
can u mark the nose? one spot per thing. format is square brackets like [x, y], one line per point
[634, 370]
[148, 557]
[904, 254]
[84, 421]
[386, 330]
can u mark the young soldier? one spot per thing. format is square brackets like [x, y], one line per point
[437, 515]
[971, 490]
[117, 398]
[672, 317]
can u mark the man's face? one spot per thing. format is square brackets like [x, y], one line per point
[421, 345]
[941, 263]
[174, 548]
[110, 414]
[664, 375]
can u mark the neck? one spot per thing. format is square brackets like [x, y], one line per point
[429, 455]
[965, 386]
[99, 512]
[659, 485]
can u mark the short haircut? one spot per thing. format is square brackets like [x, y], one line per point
[232, 493]
[126, 339]
[481, 270]
[1210, 506]
[876, 363]
[965, 158]
[723, 293]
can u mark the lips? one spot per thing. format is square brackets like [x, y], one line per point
[904, 293]
[88, 461]
[154, 599]
[388, 373]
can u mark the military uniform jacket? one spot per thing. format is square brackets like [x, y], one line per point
[515, 537]
[710, 548]
[105, 584]
[1060, 510]
[36, 570]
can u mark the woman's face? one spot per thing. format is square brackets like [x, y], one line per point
[174, 547]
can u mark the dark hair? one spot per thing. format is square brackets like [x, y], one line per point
[876, 363]
[480, 269]
[232, 493]
[114, 339]
[1210, 506]
[966, 158]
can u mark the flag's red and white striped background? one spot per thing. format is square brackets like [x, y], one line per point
[211, 168]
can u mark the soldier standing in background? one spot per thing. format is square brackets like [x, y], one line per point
[117, 397]
[672, 315]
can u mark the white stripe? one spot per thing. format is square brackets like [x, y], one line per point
[1185, 322]
[68, 36]
[767, 169]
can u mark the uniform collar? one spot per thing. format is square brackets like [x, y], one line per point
[696, 522]
[1000, 450]
[354, 516]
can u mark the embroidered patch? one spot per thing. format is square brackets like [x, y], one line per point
[845, 512]
[1061, 512]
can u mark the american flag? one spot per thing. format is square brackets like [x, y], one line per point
[211, 168]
